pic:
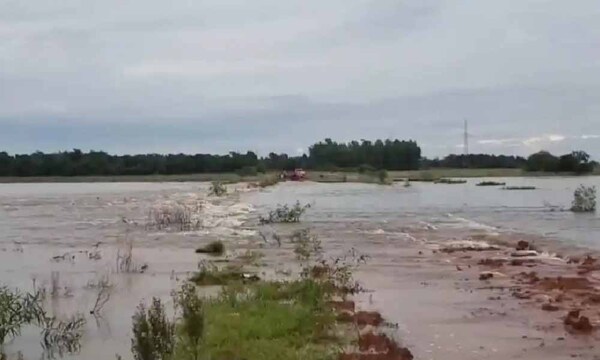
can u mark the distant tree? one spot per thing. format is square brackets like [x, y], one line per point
[542, 161]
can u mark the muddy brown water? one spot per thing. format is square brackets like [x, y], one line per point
[439, 314]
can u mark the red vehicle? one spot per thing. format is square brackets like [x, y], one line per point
[296, 175]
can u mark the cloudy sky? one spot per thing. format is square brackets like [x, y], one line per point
[138, 76]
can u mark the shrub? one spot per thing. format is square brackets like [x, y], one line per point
[285, 214]
[584, 199]
[153, 334]
[217, 189]
[192, 319]
[213, 248]
[383, 177]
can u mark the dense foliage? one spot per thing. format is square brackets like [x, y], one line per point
[364, 156]
[576, 162]
[476, 161]
[388, 154]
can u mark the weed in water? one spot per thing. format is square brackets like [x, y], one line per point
[213, 248]
[285, 214]
[584, 199]
[217, 189]
[17, 310]
[60, 337]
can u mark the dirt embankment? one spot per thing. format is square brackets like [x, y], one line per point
[567, 289]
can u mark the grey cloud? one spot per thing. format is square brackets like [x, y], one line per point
[141, 76]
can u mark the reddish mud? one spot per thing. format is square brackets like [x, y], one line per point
[518, 310]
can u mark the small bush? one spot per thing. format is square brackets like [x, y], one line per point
[213, 248]
[383, 177]
[192, 320]
[584, 199]
[285, 214]
[217, 189]
[153, 334]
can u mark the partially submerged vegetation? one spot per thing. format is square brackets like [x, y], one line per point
[285, 214]
[450, 181]
[18, 309]
[212, 248]
[217, 189]
[490, 183]
[584, 199]
[519, 188]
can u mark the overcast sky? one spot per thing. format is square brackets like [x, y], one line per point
[139, 76]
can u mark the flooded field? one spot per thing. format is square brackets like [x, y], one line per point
[67, 237]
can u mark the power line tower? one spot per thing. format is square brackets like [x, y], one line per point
[466, 140]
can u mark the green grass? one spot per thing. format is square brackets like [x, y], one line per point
[270, 321]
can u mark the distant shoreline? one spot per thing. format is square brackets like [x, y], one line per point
[317, 176]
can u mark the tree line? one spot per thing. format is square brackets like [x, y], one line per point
[389, 154]
[578, 162]
[324, 155]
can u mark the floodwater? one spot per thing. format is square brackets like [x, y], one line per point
[39, 222]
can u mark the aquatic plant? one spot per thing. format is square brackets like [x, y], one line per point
[306, 245]
[217, 189]
[153, 333]
[125, 256]
[167, 216]
[62, 336]
[103, 296]
[285, 214]
[584, 199]
[213, 248]
[18, 309]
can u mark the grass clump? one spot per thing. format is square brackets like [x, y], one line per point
[490, 183]
[285, 214]
[213, 248]
[584, 199]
